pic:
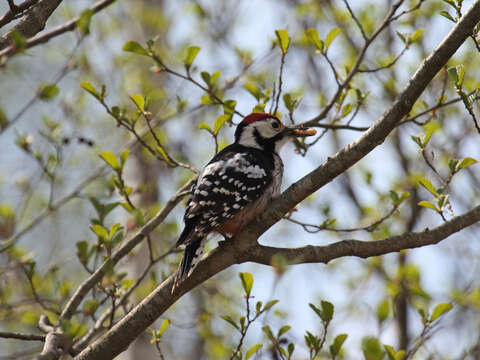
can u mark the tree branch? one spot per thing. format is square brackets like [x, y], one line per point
[242, 247]
[33, 22]
[364, 249]
[43, 38]
[16, 11]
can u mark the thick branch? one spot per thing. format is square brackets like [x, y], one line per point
[33, 22]
[90, 282]
[377, 133]
[364, 249]
[43, 38]
[16, 12]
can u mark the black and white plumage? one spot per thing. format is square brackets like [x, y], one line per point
[236, 185]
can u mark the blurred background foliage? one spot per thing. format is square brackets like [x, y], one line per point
[63, 208]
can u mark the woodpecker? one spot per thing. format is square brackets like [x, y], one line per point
[235, 186]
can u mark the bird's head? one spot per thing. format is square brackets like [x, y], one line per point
[266, 132]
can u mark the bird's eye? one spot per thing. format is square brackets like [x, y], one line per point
[275, 125]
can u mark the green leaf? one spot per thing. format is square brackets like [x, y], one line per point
[440, 310]
[190, 56]
[314, 39]
[371, 349]
[163, 154]
[331, 36]
[139, 101]
[328, 309]
[465, 163]
[283, 40]
[221, 120]
[417, 34]
[259, 108]
[417, 141]
[283, 330]
[269, 304]
[230, 321]
[135, 47]
[347, 109]
[402, 37]
[337, 344]
[229, 107]
[206, 77]
[90, 306]
[100, 231]
[428, 185]
[205, 126]
[446, 14]
[453, 73]
[82, 251]
[110, 158]
[428, 204]
[19, 41]
[48, 91]
[89, 87]
[83, 23]
[124, 156]
[164, 326]
[247, 282]
[254, 90]
[252, 351]
[266, 329]
[383, 310]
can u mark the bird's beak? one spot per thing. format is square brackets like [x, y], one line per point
[299, 131]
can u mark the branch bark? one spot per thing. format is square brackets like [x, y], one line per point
[364, 249]
[8, 49]
[33, 22]
[244, 246]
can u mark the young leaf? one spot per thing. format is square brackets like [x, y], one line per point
[328, 309]
[83, 22]
[135, 47]
[252, 351]
[429, 205]
[247, 282]
[383, 310]
[220, 122]
[229, 107]
[440, 310]
[205, 126]
[110, 158]
[48, 91]
[254, 90]
[124, 156]
[452, 72]
[139, 101]
[371, 349]
[164, 326]
[314, 39]
[269, 304]
[337, 344]
[331, 36]
[428, 185]
[283, 40]
[283, 330]
[163, 154]
[89, 87]
[416, 35]
[230, 321]
[445, 14]
[190, 56]
[100, 231]
[466, 162]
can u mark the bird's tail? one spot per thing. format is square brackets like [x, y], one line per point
[191, 257]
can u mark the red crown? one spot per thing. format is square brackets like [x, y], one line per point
[255, 117]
